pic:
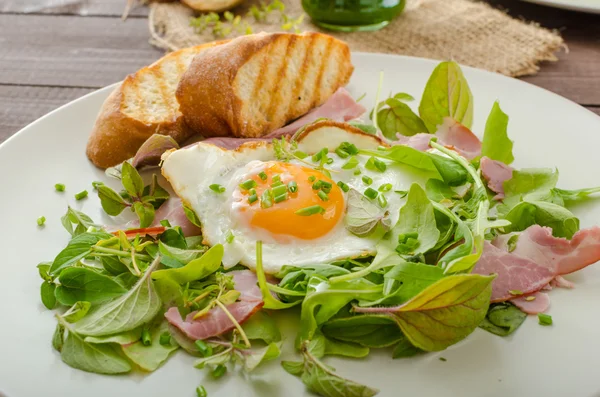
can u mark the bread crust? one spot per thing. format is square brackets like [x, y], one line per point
[215, 109]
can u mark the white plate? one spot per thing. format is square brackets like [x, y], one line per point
[589, 6]
[551, 361]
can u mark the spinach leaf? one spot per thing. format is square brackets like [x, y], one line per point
[451, 173]
[446, 94]
[138, 306]
[77, 249]
[438, 191]
[398, 117]
[443, 313]
[47, 294]
[261, 326]
[195, 270]
[82, 284]
[405, 349]
[367, 330]
[149, 358]
[496, 144]
[363, 215]
[503, 319]
[561, 220]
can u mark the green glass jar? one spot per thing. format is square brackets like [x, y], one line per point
[353, 15]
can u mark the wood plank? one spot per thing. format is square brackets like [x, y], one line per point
[112, 8]
[595, 109]
[577, 74]
[72, 51]
[21, 105]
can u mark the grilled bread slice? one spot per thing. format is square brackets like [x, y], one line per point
[255, 84]
[142, 105]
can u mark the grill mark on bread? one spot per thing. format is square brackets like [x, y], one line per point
[301, 74]
[320, 75]
[276, 103]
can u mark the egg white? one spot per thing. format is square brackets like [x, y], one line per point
[193, 169]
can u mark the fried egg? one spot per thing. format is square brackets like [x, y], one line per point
[245, 195]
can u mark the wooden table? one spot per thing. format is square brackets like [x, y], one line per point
[50, 56]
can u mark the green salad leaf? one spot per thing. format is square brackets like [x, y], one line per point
[122, 338]
[81, 221]
[405, 349]
[447, 94]
[394, 116]
[496, 144]
[196, 269]
[83, 284]
[47, 294]
[503, 319]
[77, 249]
[369, 330]
[571, 196]
[417, 218]
[364, 215]
[261, 326]
[149, 358]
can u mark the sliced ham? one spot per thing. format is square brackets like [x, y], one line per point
[539, 303]
[216, 321]
[418, 141]
[495, 173]
[456, 136]
[561, 282]
[339, 107]
[514, 273]
[172, 210]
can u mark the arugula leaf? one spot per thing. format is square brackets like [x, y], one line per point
[81, 220]
[47, 294]
[369, 330]
[138, 306]
[443, 313]
[112, 203]
[149, 358]
[447, 94]
[398, 117]
[144, 211]
[528, 213]
[131, 180]
[503, 319]
[405, 349]
[101, 359]
[195, 270]
[77, 249]
[417, 217]
[496, 144]
[363, 215]
[261, 326]
[82, 284]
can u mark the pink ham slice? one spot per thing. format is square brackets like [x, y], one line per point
[339, 107]
[216, 321]
[561, 282]
[171, 210]
[495, 173]
[418, 141]
[539, 304]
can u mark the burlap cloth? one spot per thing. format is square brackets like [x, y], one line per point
[471, 33]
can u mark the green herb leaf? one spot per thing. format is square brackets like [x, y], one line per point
[398, 117]
[132, 181]
[270, 301]
[443, 313]
[150, 357]
[82, 222]
[194, 270]
[260, 355]
[77, 311]
[123, 338]
[496, 144]
[345, 349]
[525, 214]
[571, 196]
[82, 284]
[503, 319]
[261, 326]
[47, 295]
[191, 215]
[363, 216]
[293, 367]
[447, 94]
[368, 128]
[138, 306]
[100, 359]
[152, 149]
[77, 249]
[144, 211]
[58, 339]
[417, 217]
[405, 349]
[368, 330]
[112, 203]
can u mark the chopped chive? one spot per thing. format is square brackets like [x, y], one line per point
[165, 223]
[353, 162]
[367, 180]
[229, 237]
[357, 171]
[248, 184]
[275, 178]
[382, 201]
[386, 187]
[323, 196]
[300, 154]
[312, 210]
[201, 391]
[371, 193]
[204, 348]
[375, 164]
[146, 338]
[319, 155]
[443, 359]
[342, 153]
[276, 183]
[515, 292]
[329, 160]
[81, 195]
[530, 298]
[348, 148]
[219, 371]
[165, 339]
[312, 178]
[281, 197]
[266, 200]
[402, 193]
[41, 220]
[97, 184]
[263, 176]
[252, 191]
[279, 190]
[326, 189]
[317, 185]
[252, 199]
[293, 187]
[325, 183]
[544, 319]
[343, 186]
[59, 187]
[215, 187]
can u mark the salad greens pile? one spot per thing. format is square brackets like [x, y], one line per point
[416, 295]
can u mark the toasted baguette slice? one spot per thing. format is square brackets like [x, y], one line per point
[142, 105]
[257, 83]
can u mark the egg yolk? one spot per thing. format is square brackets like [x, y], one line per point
[281, 219]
